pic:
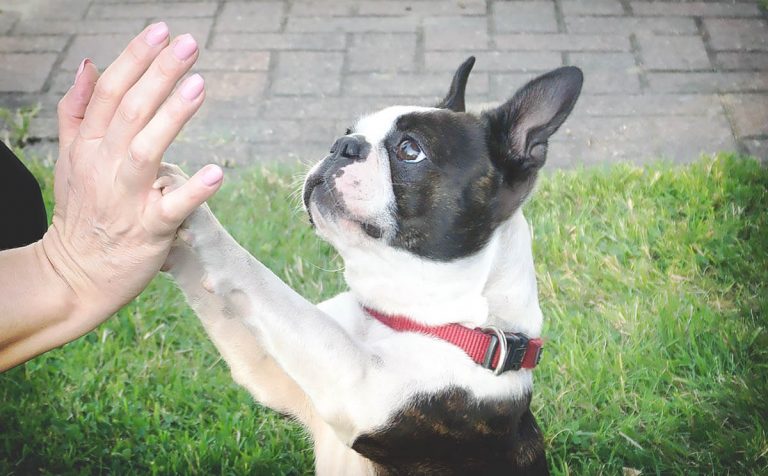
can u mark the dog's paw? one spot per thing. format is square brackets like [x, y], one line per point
[169, 178]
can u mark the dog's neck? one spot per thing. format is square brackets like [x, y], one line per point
[495, 286]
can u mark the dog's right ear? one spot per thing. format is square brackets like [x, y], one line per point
[519, 129]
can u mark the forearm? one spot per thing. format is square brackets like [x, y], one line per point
[38, 311]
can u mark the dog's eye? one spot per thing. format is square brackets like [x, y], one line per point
[348, 131]
[409, 151]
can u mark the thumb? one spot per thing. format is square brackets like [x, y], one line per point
[71, 109]
[178, 204]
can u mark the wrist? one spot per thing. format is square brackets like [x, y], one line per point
[82, 300]
[51, 269]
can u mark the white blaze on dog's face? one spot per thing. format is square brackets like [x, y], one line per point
[436, 182]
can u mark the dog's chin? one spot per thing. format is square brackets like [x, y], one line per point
[337, 225]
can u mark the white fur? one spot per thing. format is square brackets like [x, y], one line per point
[339, 371]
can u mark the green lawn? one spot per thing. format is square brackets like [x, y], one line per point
[654, 290]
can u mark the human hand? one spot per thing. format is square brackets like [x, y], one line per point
[111, 230]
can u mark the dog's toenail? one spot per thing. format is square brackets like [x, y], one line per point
[185, 236]
[208, 284]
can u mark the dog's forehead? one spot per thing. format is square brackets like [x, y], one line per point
[377, 125]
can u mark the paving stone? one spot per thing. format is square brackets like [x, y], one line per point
[649, 105]
[443, 8]
[640, 139]
[562, 42]
[737, 34]
[215, 60]
[199, 28]
[333, 60]
[36, 26]
[626, 25]
[237, 155]
[250, 17]
[409, 84]
[44, 128]
[322, 9]
[494, 60]
[741, 60]
[258, 130]
[527, 16]
[446, 33]
[306, 153]
[749, 113]
[608, 72]
[24, 71]
[698, 82]
[61, 82]
[30, 44]
[58, 9]
[696, 9]
[308, 73]
[503, 86]
[673, 52]
[152, 10]
[44, 151]
[356, 24]
[101, 49]
[592, 7]
[757, 148]
[7, 20]
[245, 87]
[279, 41]
[191, 155]
[365, 52]
[346, 109]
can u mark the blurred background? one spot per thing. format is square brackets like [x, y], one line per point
[663, 79]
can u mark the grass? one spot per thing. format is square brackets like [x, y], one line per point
[654, 290]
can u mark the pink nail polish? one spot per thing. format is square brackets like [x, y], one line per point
[81, 68]
[157, 34]
[191, 88]
[212, 174]
[185, 46]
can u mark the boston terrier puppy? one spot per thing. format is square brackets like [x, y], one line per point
[424, 366]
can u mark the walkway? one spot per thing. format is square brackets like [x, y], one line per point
[663, 79]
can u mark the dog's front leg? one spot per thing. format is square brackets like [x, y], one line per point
[251, 366]
[235, 294]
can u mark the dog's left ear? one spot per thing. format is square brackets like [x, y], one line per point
[455, 98]
[519, 129]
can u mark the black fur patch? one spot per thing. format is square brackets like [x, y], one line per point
[448, 205]
[453, 434]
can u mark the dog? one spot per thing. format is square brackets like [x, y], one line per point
[424, 365]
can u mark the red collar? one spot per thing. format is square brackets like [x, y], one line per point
[482, 345]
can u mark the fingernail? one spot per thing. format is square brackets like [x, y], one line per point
[81, 68]
[192, 87]
[212, 174]
[157, 34]
[185, 46]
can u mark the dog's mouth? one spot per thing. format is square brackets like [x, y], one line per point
[311, 184]
[330, 204]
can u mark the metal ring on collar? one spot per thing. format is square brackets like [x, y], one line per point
[504, 348]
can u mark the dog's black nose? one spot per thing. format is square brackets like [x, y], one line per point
[350, 147]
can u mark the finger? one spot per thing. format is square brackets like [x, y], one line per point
[146, 150]
[71, 109]
[173, 208]
[144, 98]
[120, 76]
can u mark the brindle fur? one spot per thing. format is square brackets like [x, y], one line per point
[453, 434]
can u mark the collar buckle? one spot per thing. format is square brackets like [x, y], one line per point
[512, 347]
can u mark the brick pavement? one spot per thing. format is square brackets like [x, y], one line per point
[665, 79]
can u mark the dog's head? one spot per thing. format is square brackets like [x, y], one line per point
[437, 181]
